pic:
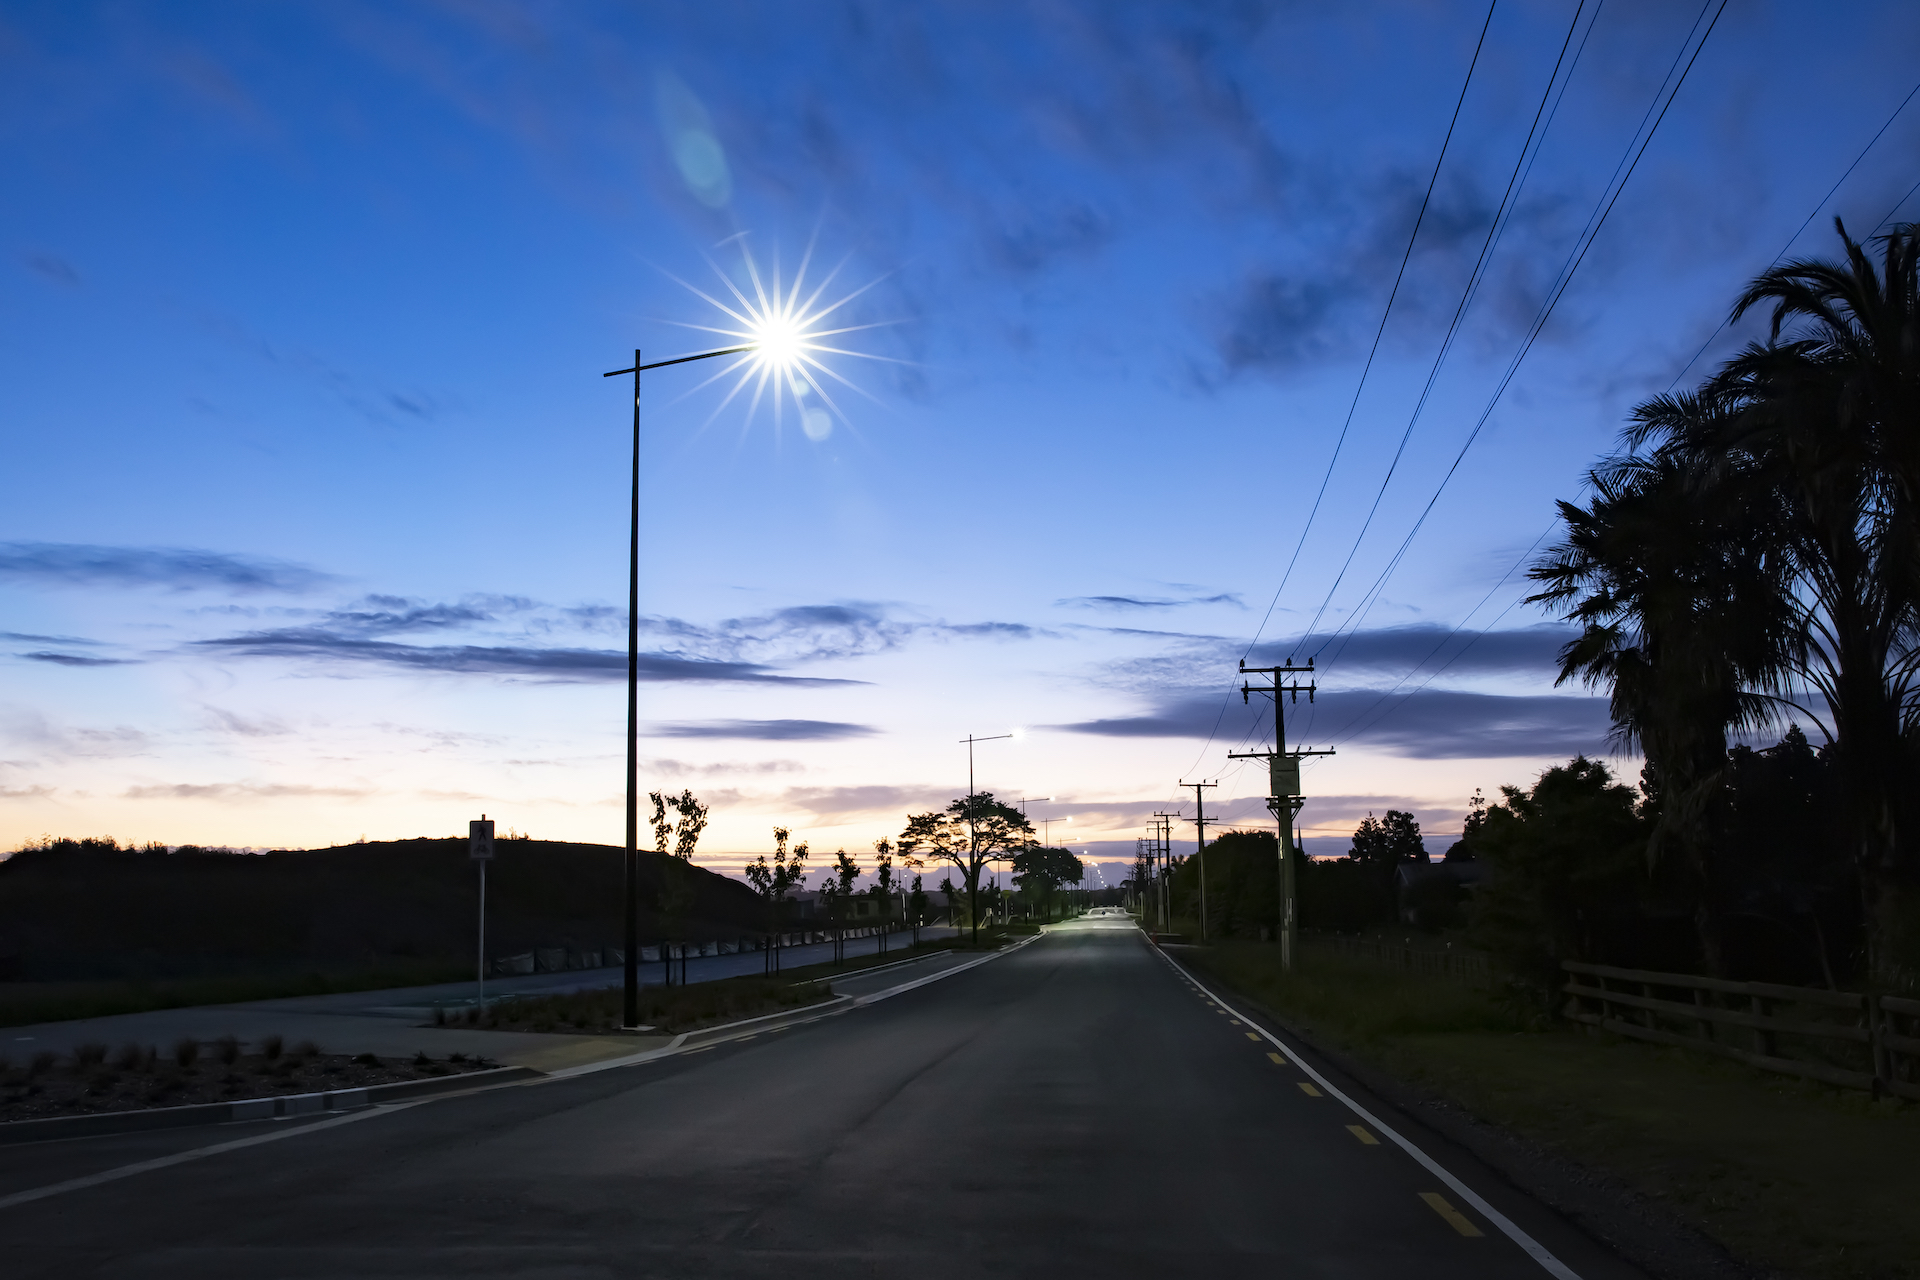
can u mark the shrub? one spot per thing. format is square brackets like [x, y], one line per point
[186, 1051]
[306, 1049]
[226, 1050]
[41, 1063]
[89, 1055]
[272, 1047]
[132, 1057]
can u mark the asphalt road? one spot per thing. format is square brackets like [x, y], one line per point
[1075, 1107]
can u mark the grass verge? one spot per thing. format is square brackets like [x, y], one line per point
[1787, 1174]
[23, 1003]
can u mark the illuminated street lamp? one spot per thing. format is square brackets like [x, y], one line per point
[779, 345]
[780, 325]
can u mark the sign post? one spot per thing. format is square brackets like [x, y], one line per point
[480, 850]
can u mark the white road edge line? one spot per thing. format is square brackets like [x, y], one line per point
[198, 1153]
[1537, 1251]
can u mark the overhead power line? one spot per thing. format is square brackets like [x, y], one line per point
[1467, 293]
[1801, 229]
[1392, 294]
[1355, 726]
[1576, 258]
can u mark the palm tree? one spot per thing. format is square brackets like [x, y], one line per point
[1827, 425]
[1677, 591]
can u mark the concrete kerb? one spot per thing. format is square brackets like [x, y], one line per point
[290, 1104]
[890, 992]
[688, 1041]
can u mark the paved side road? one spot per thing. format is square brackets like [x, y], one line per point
[397, 1022]
[1076, 1107]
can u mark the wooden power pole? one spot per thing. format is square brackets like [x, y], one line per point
[1283, 792]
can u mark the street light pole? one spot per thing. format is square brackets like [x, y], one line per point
[630, 1004]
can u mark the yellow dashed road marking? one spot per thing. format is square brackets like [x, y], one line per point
[1278, 1061]
[1360, 1131]
[1455, 1219]
[1253, 1036]
[1310, 1091]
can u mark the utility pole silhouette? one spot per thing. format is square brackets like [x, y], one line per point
[1283, 793]
[1200, 837]
[1163, 846]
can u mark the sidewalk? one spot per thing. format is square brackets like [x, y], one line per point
[398, 1021]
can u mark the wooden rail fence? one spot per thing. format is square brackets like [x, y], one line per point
[1846, 1038]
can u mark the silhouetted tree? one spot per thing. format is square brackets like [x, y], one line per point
[1567, 857]
[1041, 872]
[1796, 467]
[970, 833]
[676, 843]
[774, 880]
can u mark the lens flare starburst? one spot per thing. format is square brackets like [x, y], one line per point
[784, 333]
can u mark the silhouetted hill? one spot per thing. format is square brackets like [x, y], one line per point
[70, 910]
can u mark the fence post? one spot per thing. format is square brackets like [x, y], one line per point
[1706, 1024]
[1762, 1037]
[1876, 1046]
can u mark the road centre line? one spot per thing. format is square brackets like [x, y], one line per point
[1533, 1248]
[198, 1153]
[1310, 1091]
[1455, 1219]
[1360, 1131]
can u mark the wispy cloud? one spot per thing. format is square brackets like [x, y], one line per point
[1524, 654]
[524, 661]
[53, 267]
[1429, 724]
[671, 768]
[1147, 602]
[1427, 645]
[819, 633]
[74, 659]
[765, 730]
[177, 569]
[24, 637]
[840, 804]
[241, 791]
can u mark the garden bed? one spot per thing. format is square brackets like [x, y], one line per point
[136, 1077]
[663, 1010]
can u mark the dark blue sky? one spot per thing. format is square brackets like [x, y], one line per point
[316, 517]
